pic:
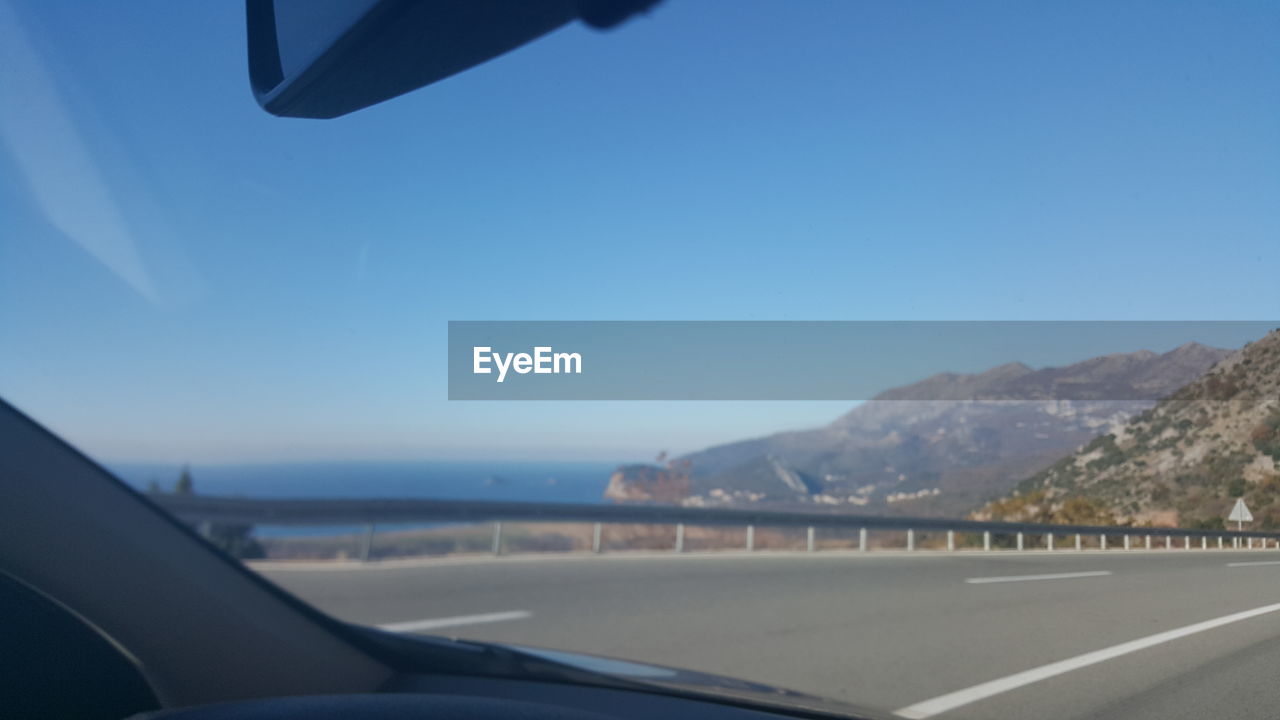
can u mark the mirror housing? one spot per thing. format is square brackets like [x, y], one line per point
[327, 58]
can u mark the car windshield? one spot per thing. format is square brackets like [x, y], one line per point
[755, 338]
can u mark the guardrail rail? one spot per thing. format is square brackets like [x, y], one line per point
[204, 511]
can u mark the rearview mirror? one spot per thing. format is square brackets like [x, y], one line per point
[326, 58]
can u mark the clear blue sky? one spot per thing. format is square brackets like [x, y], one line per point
[183, 276]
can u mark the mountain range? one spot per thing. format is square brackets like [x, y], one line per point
[944, 445]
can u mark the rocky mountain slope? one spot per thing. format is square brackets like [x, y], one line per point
[948, 443]
[1180, 463]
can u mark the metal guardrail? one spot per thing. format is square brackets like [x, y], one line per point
[205, 510]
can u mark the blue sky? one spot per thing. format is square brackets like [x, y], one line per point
[183, 276]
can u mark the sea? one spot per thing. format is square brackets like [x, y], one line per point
[570, 482]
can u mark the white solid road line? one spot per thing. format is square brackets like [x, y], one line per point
[951, 701]
[1251, 564]
[433, 623]
[1020, 578]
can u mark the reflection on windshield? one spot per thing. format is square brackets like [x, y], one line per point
[989, 284]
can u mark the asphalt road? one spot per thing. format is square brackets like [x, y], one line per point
[923, 634]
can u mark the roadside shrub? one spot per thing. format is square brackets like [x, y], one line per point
[1266, 436]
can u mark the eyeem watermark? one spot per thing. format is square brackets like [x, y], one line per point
[823, 360]
[543, 361]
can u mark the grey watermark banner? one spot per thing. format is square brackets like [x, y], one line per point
[833, 360]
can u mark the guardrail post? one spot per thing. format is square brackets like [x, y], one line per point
[366, 544]
[1048, 541]
[1186, 541]
[1168, 542]
[951, 540]
[751, 538]
[1126, 541]
[497, 538]
[1102, 541]
[810, 539]
[1148, 542]
[1219, 542]
[679, 537]
[986, 540]
[862, 539]
[595, 538]
[911, 539]
[1204, 542]
[1079, 545]
[1019, 539]
[1250, 541]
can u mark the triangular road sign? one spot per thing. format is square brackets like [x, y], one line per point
[1240, 513]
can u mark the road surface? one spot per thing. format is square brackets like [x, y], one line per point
[1138, 634]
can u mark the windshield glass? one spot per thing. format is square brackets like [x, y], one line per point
[839, 281]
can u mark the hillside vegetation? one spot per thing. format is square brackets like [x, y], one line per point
[1182, 462]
